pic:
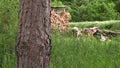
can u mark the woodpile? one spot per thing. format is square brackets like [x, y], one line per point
[60, 20]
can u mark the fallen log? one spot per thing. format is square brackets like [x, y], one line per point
[110, 32]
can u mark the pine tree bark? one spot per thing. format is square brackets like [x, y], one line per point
[33, 41]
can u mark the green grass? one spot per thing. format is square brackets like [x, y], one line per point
[7, 47]
[112, 25]
[69, 52]
[7, 52]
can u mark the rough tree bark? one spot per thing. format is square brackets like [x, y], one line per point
[33, 41]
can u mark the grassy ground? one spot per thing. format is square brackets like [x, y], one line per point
[7, 52]
[69, 52]
[84, 52]
[112, 25]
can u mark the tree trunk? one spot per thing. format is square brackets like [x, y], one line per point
[33, 41]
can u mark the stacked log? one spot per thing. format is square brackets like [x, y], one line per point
[60, 20]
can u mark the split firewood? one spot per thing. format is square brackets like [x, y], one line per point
[60, 21]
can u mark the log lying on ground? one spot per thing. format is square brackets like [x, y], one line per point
[96, 31]
[104, 35]
[110, 32]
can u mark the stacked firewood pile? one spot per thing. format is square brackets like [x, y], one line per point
[93, 31]
[60, 20]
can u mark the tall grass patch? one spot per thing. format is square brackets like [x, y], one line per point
[114, 25]
[68, 52]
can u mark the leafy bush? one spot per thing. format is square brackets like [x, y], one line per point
[92, 10]
[57, 3]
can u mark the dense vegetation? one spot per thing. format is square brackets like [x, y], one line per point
[84, 10]
[8, 30]
[67, 52]
[80, 10]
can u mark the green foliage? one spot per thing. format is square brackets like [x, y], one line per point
[117, 6]
[101, 11]
[92, 10]
[69, 52]
[8, 14]
[110, 25]
[8, 30]
[57, 3]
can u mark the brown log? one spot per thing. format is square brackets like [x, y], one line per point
[110, 32]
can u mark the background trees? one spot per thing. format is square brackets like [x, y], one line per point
[81, 10]
[92, 10]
